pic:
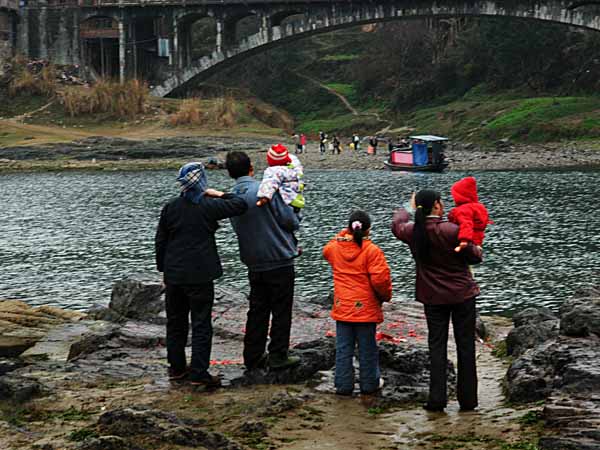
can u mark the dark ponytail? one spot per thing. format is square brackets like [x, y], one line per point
[424, 201]
[358, 225]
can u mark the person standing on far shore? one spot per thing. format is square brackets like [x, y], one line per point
[186, 254]
[356, 142]
[303, 142]
[446, 287]
[267, 248]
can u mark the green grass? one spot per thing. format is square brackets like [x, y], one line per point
[347, 90]
[484, 119]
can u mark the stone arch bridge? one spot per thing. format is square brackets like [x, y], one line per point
[152, 38]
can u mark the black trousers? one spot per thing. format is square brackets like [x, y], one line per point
[271, 298]
[181, 300]
[463, 323]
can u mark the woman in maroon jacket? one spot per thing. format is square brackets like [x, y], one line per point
[447, 289]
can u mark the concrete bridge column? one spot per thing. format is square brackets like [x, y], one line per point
[122, 49]
[266, 30]
[187, 49]
[176, 54]
[219, 38]
[23, 35]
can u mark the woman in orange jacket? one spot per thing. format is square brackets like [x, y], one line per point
[362, 282]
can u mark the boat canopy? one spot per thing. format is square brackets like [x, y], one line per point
[429, 138]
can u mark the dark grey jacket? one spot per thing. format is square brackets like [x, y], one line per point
[265, 233]
[185, 239]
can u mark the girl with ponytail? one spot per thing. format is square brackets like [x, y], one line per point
[361, 283]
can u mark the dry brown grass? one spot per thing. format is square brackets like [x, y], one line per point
[220, 112]
[25, 82]
[189, 113]
[121, 101]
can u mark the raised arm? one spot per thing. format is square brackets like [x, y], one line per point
[227, 205]
[400, 224]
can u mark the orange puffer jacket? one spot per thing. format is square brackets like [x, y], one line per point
[361, 279]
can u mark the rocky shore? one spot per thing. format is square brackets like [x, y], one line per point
[98, 381]
[102, 153]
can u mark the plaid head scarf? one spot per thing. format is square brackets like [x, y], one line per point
[192, 180]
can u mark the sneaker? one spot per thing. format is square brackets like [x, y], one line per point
[283, 362]
[178, 375]
[208, 381]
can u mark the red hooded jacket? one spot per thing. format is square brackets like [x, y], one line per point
[361, 279]
[470, 215]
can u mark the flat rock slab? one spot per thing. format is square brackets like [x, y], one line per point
[70, 340]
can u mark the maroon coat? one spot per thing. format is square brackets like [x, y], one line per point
[446, 278]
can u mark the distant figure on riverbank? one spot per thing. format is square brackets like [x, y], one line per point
[447, 289]
[362, 282]
[470, 215]
[284, 175]
[268, 249]
[186, 254]
[297, 138]
[336, 145]
[303, 142]
[356, 142]
[322, 141]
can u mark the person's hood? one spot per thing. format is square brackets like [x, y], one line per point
[464, 191]
[347, 248]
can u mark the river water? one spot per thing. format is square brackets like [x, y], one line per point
[66, 237]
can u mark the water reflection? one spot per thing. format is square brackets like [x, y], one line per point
[65, 237]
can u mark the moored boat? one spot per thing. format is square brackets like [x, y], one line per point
[424, 154]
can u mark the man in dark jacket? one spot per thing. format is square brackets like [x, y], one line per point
[268, 248]
[186, 254]
[446, 287]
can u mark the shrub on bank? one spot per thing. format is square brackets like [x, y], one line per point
[121, 101]
[222, 112]
[24, 81]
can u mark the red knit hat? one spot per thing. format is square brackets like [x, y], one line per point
[278, 155]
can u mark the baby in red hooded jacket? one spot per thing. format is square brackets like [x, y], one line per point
[470, 215]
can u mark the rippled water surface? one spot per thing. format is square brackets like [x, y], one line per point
[66, 237]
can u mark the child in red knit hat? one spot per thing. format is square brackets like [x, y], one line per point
[470, 215]
[284, 174]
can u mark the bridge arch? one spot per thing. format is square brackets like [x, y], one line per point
[336, 15]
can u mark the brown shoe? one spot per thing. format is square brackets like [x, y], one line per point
[209, 381]
[178, 375]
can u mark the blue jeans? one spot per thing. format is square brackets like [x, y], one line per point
[348, 334]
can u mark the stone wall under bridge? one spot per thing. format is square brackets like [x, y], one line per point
[151, 39]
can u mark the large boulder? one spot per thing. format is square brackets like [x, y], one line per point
[565, 364]
[580, 316]
[529, 335]
[532, 316]
[135, 299]
[163, 428]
